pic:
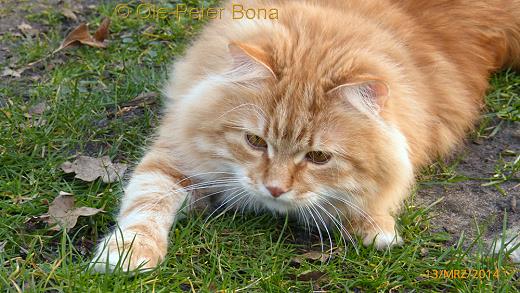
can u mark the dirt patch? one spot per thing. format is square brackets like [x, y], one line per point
[469, 202]
[15, 12]
[19, 20]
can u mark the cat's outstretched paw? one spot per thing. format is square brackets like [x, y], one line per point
[383, 240]
[127, 251]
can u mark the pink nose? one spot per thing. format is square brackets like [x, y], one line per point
[275, 191]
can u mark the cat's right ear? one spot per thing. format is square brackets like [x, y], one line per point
[368, 96]
[250, 61]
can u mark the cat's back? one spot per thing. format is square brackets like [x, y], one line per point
[309, 25]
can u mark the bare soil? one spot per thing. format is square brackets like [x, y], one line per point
[467, 203]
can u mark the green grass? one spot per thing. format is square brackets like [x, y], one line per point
[248, 252]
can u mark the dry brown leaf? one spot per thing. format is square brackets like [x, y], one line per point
[316, 255]
[311, 256]
[89, 169]
[102, 32]
[81, 35]
[69, 14]
[63, 214]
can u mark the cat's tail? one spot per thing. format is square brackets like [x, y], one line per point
[512, 32]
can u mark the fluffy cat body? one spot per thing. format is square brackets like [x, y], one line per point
[326, 113]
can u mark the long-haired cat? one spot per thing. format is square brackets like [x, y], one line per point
[326, 113]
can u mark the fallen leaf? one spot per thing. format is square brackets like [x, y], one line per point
[69, 14]
[14, 73]
[316, 255]
[63, 214]
[89, 169]
[102, 32]
[81, 35]
[310, 256]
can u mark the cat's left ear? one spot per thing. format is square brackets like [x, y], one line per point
[369, 96]
[249, 60]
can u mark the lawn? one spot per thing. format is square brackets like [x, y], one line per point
[78, 102]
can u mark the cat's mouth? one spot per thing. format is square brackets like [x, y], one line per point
[284, 203]
[276, 204]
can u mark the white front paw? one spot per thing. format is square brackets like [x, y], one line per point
[383, 240]
[127, 251]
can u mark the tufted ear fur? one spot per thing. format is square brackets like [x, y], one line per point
[250, 62]
[368, 96]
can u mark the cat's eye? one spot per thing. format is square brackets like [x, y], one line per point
[256, 141]
[318, 157]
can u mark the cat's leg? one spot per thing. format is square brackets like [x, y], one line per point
[149, 207]
[376, 223]
[380, 230]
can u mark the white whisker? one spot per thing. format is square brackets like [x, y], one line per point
[189, 188]
[317, 225]
[343, 216]
[359, 210]
[232, 197]
[338, 224]
[319, 216]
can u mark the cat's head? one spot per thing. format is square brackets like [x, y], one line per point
[283, 137]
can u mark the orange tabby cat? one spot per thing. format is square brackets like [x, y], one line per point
[326, 113]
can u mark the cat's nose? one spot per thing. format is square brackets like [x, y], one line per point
[275, 191]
